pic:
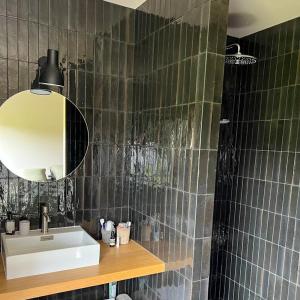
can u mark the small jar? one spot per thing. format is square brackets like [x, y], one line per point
[24, 227]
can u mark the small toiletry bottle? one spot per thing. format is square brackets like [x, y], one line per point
[101, 228]
[109, 226]
[24, 226]
[112, 240]
[10, 224]
[117, 240]
[112, 290]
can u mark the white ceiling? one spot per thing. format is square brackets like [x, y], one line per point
[128, 3]
[247, 16]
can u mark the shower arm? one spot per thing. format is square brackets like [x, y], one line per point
[236, 45]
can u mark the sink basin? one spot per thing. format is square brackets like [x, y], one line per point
[60, 249]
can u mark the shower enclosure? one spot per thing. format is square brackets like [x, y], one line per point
[256, 233]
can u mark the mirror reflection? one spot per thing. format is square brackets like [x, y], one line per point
[43, 135]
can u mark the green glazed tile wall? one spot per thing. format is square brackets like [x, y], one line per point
[260, 259]
[179, 56]
[95, 40]
[96, 46]
[150, 85]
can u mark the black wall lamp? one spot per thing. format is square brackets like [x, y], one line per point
[51, 74]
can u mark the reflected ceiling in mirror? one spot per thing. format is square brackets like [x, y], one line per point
[43, 135]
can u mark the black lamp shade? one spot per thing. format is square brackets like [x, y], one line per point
[51, 73]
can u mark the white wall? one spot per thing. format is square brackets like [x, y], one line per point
[32, 129]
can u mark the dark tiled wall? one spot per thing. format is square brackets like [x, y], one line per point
[93, 293]
[227, 164]
[261, 257]
[156, 154]
[102, 185]
[177, 102]
[95, 40]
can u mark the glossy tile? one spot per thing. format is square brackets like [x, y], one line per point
[169, 122]
[153, 150]
[255, 241]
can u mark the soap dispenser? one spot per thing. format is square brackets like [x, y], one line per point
[10, 224]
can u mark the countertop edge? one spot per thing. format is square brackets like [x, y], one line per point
[80, 283]
[88, 281]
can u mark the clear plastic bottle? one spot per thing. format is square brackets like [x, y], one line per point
[112, 240]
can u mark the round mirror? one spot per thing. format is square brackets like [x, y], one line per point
[43, 135]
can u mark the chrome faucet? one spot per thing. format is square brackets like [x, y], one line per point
[45, 219]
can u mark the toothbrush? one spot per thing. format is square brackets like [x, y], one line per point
[102, 223]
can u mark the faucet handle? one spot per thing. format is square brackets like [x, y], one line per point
[44, 209]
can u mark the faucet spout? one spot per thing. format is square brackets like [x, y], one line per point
[45, 219]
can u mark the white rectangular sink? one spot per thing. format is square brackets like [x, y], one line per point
[60, 249]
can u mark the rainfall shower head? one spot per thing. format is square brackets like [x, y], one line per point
[239, 58]
[224, 121]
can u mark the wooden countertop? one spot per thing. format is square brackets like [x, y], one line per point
[128, 261]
